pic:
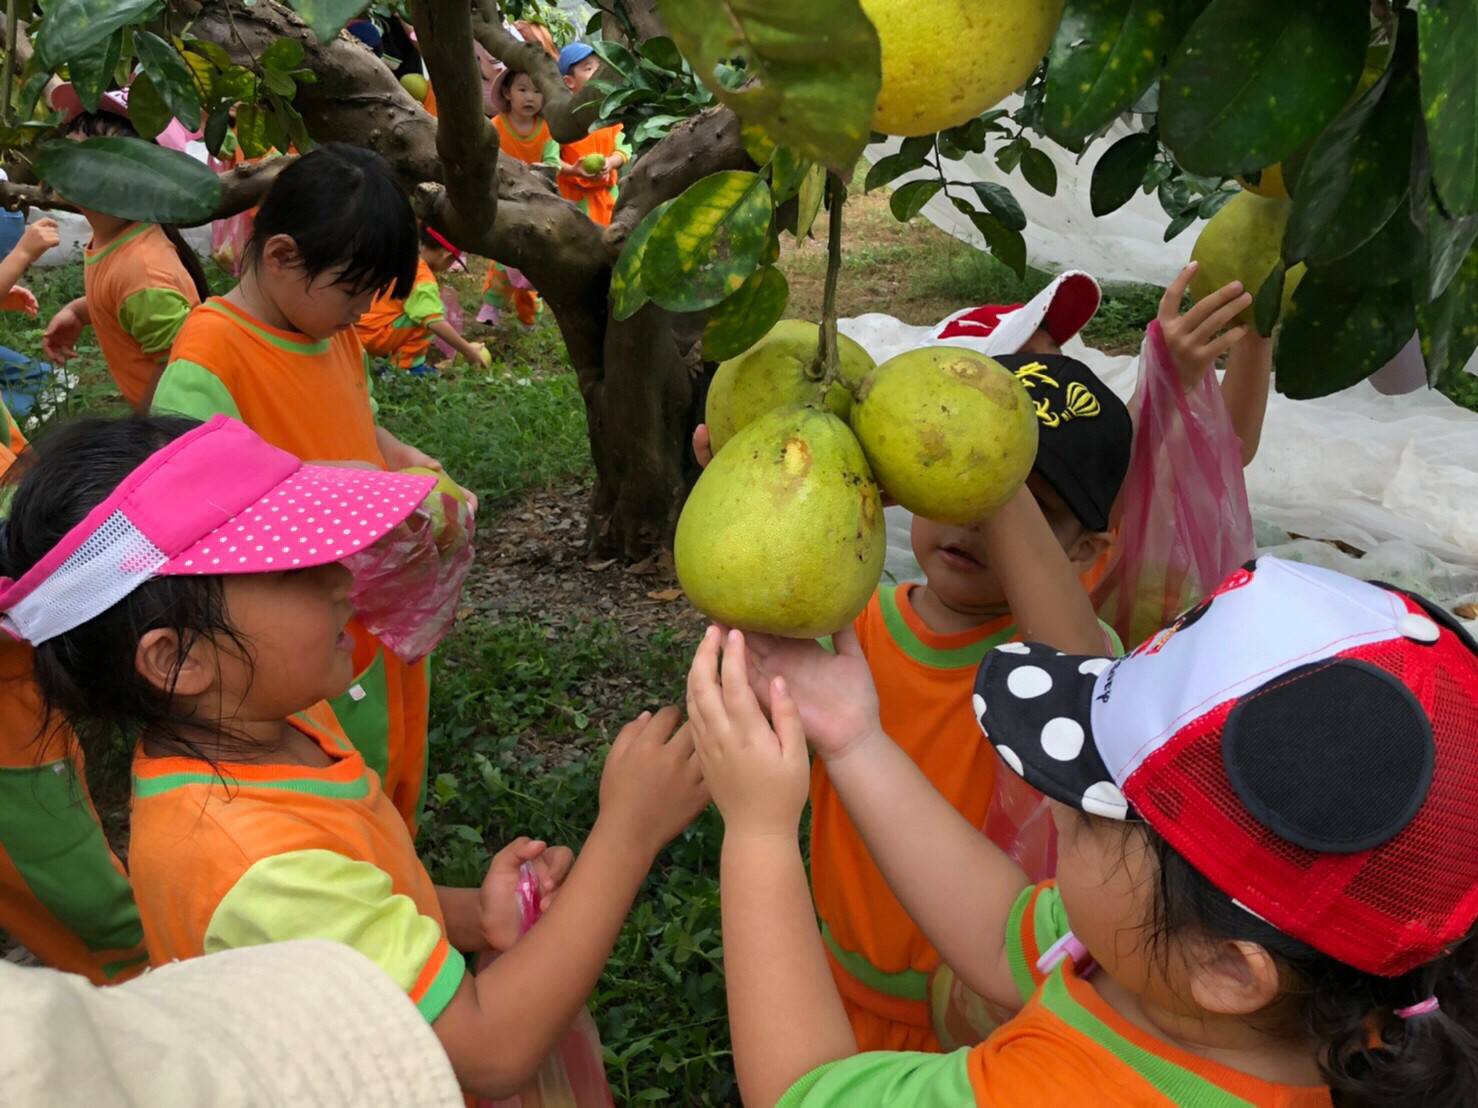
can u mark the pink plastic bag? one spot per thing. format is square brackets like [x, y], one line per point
[574, 1076]
[407, 586]
[1182, 518]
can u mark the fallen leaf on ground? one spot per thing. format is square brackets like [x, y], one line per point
[665, 594]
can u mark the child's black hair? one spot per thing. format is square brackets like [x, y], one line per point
[345, 210]
[107, 125]
[88, 676]
[1370, 1057]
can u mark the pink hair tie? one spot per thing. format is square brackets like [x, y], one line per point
[1423, 1008]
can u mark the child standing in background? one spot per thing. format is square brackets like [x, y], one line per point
[141, 279]
[400, 329]
[279, 352]
[593, 190]
[522, 134]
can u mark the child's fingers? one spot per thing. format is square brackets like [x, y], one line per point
[1207, 329]
[1198, 312]
[554, 866]
[1221, 345]
[628, 734]
[845, 642]
[702, 445]
[705, 701]
[739, 699]
[1175, 293]
[681, 744]
[787, 720]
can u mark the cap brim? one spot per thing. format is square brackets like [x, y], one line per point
[1066, 484]
[316, 516]
[1035, 707]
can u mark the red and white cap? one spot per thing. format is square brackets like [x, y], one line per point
[1306, 741]
[1064, 308]
[217, 500]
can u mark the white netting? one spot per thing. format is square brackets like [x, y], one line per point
[111, 562]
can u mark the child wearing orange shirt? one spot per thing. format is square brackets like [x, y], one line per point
[522, 134]
[400, 329]
[593, 191]
[279, 352]
[141, 279]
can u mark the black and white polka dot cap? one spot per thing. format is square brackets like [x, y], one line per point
[1080, 729]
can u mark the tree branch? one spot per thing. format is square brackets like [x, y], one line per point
[569, 116]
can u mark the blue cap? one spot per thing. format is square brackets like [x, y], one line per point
[572, 55]
[366, 32]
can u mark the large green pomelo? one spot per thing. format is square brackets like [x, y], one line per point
[784, 531]
[772, 374]
[949, 433]
[1243, 242]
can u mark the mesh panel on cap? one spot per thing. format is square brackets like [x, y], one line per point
[1385, 910]
[111, 562]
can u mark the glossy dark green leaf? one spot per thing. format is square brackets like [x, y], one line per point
[146, 108]
[285, 54]
[1447, 244]
[628, 293]
[747, 316]
[1394, 253]
[1348, 185]
[1254, 80]
[92, 71]
[31, 94]
[1449, 84]
[661, 51]
[890, 168]
[1105, 55]
[1449, 325]
[72, 27]
[787, 170]
[809, 200]
[813, 68]
[907, 200]
[251, 130]
[1120, 172]
[173, 79]
[131, 179]
[326, 18]
[1335, 336]
[1039, 171]
[1267, 304]
[1009, 247]
[616, 56]
[1001, 204]
[216, 129]
[211, 51]
[709, 242]
[1009, 156]
[1179, 224]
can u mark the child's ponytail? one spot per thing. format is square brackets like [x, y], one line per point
[189, 259]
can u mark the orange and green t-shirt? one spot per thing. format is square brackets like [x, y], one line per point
[595, 196]
[63, 893]
[528, 148]
[1067, 1046]
[399, 329]
[242, 854]
[313, 399]
[138, 295]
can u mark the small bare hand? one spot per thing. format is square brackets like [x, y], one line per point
[1197, 339]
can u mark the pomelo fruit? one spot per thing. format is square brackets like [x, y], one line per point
[946, 61]
[784, 531]
[448, 508]
[593, 163]
[1242, 242]
[772, 374]
[1269, 184]
[416, 85]
[949, 433]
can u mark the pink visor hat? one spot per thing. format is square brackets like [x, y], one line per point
[217, 500]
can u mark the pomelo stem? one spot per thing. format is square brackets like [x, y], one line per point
[828, 364]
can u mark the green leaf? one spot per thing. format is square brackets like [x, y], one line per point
[92, 71]
[709, 242]
[787, 170]
[1001, 204]
[1447, 244]
[1449, 325]
[1348, 187]
[212, 52]
[1039, 171]
[173, 79]
[285, 54]
[1120, 172]
[131, 179]
[908, 199]
[813, 192]
[747, 316]
[1009, 156]
[891, 168]
[1180, 223]
[814, 68]
[1008, 246]
[216, 129]
[616, 56]
[1449, 86]
[1267, 305]
[146, 108]
[1106, 53]
[72, 27]
[662, 52]
[1394, 253]
[1256, 79]
[1335, 336]
[326, 18]
[31, 92]
[628, 293]
[251, 130]
[279, 83]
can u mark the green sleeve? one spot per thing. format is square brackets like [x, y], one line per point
[320, 894]
[153, 317]
[552, 154]
[897, 1079]
[423, 305]
[623, 146]
[1039, 919]
[192, 390]
[1116, 644]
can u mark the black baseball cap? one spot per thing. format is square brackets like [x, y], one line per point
[1085, 433]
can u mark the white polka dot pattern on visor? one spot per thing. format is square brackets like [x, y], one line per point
[1062, 738]
[1105, 799]
[1028, 682]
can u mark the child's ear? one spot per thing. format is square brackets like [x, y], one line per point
[569, 83]
[1089, 547]
[1238, 979]
[161, 662]
[281, 252]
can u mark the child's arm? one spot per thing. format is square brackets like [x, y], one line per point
[1244, 388]
[1046, 598]
[785, 1016]
[401, 455]
[503, 1023]
[37, 239]
[957, 885]
[59, 343]
[475, 352]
